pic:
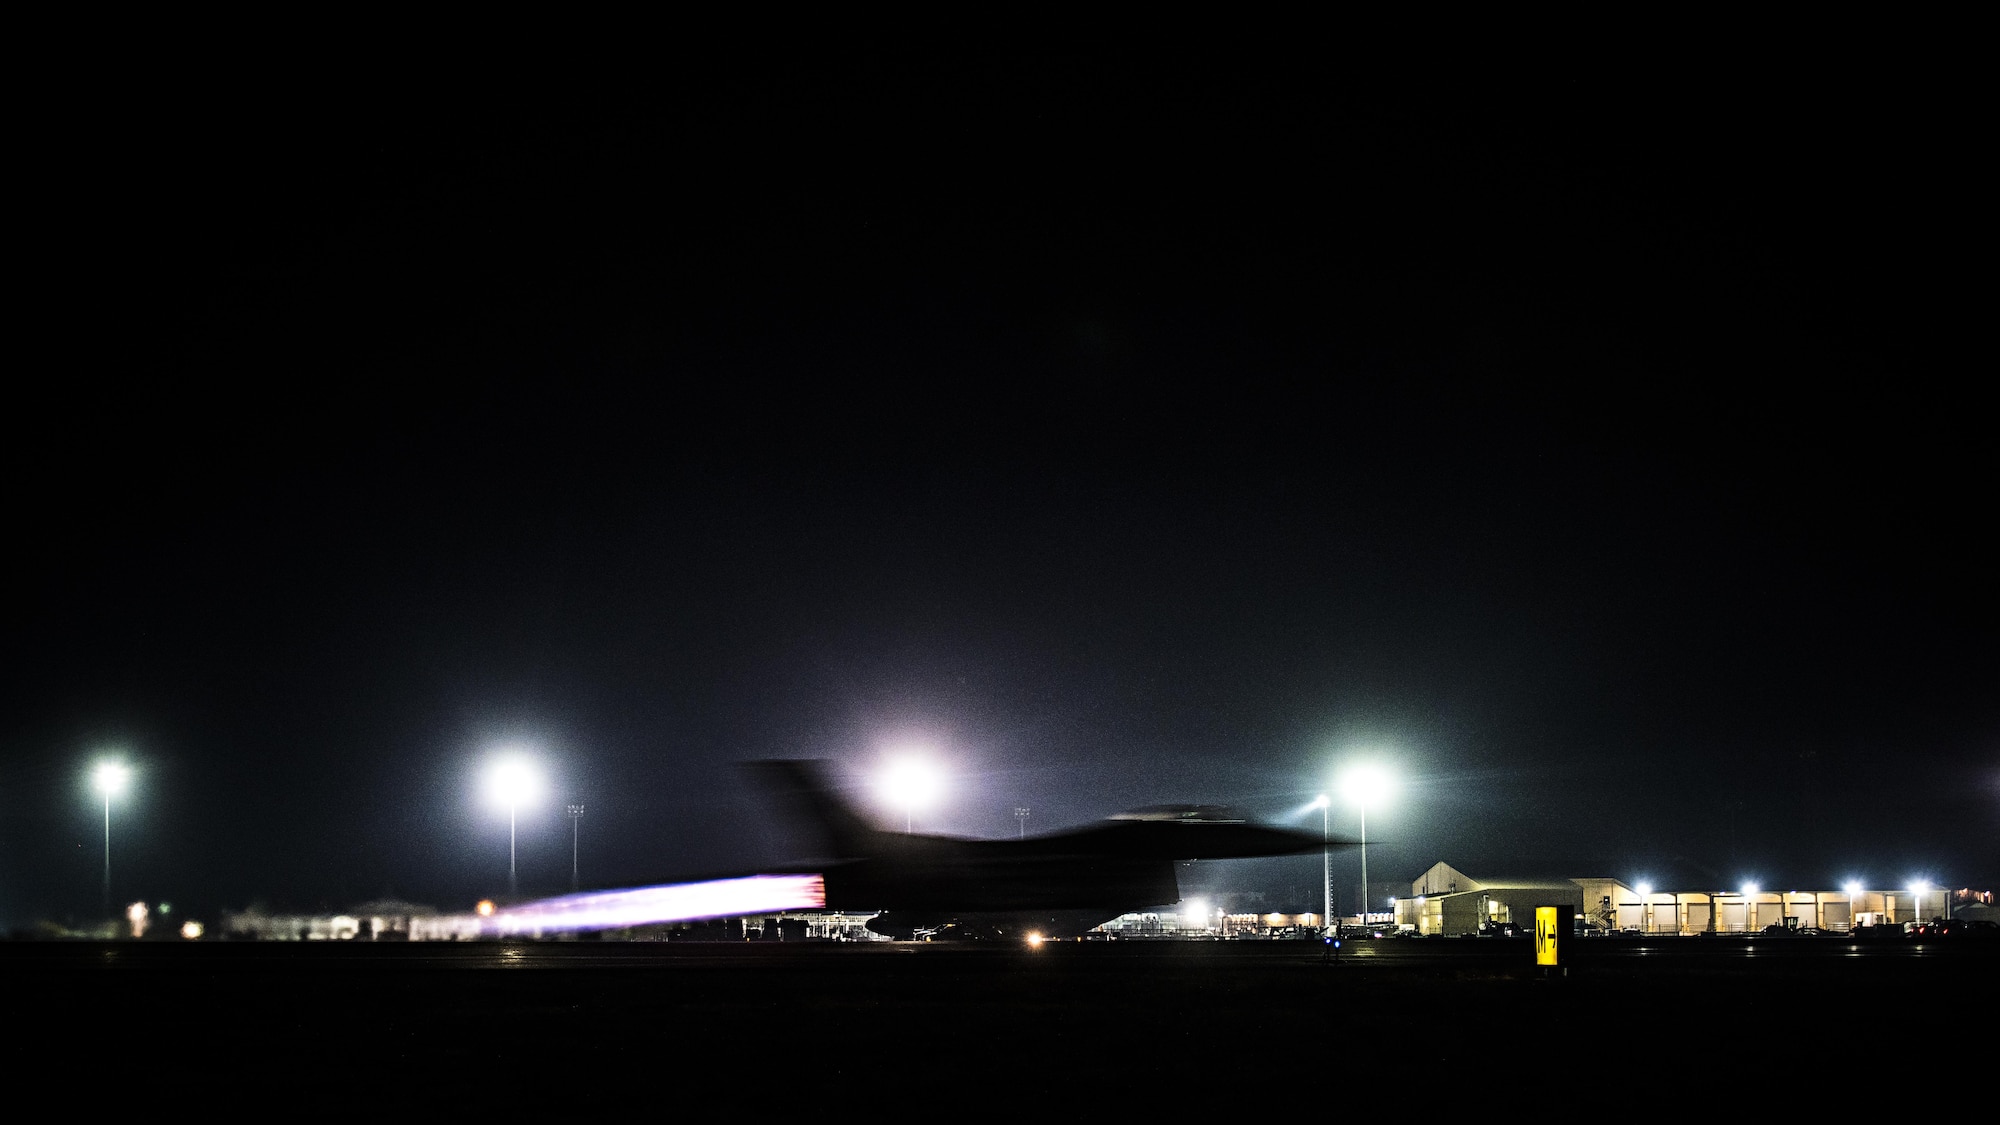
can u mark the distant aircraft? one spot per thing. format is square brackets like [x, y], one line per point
[1056, 886]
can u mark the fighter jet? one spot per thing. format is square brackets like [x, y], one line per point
[1054, 886]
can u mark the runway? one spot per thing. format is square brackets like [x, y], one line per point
[621, 1026]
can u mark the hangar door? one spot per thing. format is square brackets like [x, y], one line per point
[1698, 917]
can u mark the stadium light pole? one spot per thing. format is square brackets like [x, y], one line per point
[1325, 860]
[1364, 785]
[1021, 815]
[109, 779]
[575, 829]
[512, 780]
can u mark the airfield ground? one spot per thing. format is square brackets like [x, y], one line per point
[278, 1029]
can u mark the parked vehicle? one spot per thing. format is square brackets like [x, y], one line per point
[1959, 929]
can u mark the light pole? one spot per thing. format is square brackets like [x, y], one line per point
[1325, 859]
[512, 780]
[575, 827]
[1364, 868]
[109, 778]
[1021, 815]
[1363, 785]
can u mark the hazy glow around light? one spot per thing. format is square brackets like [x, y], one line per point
[1365, 785]
[191, 929]
[1853, 888]
[1645, 890]
[911, 783]
[513, 781]
[109, 778]
[1749, 889]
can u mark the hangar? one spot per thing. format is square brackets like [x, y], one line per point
[1444, 900]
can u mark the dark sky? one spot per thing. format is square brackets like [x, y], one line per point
[1601, 449]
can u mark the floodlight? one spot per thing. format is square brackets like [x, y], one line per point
[910, 784]
[513, 781]
[109, 778]
[1365, 785]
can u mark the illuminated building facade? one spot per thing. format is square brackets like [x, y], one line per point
[1444, 900]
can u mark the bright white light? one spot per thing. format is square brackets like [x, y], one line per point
[191, 929]
[513, 781]
[109, 778]
[1321, 801]
[1035, 939]
[1853, 888]
[1366, 785]
[1749, 889]
[911, 784]
[1196, 914]
[1645, 890]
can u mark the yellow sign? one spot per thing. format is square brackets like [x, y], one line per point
[1546, 921]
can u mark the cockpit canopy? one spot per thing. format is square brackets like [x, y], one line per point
[1183, 814]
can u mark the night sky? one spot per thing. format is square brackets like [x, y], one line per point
[1601, 450]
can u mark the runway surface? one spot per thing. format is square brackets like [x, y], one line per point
[645, 1027]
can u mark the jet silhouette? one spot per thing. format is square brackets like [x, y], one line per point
[1054, 886]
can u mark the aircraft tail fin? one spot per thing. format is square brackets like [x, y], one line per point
[807, 798]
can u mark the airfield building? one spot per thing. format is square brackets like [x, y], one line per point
[1444, 900]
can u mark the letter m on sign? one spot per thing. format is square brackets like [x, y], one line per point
[1547, 933]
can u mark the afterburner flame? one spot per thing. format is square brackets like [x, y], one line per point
[672, 902]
